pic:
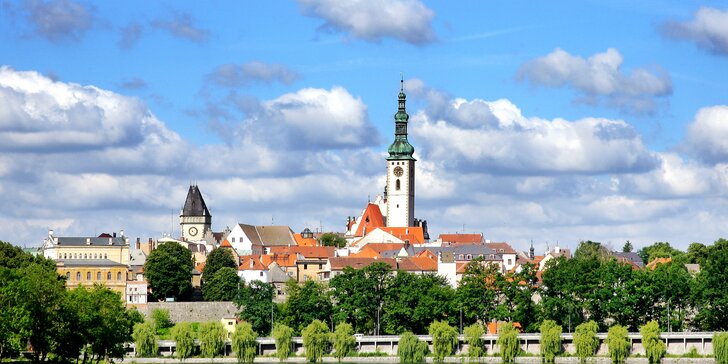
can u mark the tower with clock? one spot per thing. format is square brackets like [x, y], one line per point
[195, 219]
[400, 188]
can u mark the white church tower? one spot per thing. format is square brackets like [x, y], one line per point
[400, 189]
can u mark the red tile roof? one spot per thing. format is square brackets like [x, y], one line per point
[301, 241]
[507, 249]
[462, 238]
[417, 264]
[371, 219]
[414, 234]
[339, 263]
[305, 251]
[226, 244]
[251, 262]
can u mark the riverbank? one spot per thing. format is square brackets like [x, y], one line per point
[394, 360]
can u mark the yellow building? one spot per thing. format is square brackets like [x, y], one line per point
[89, 272]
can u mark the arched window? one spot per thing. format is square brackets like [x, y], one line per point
[108, 276]
[118, 276]
[396, 185]
[98, 276]
[105, 256]
[78, 276]
[88, 276]
[68, 276]
[85, 256]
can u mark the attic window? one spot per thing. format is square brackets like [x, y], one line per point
[461, 257]
[492, 256]
[500, 250]
[469, 257]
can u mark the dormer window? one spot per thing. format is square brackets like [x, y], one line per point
[469, 257]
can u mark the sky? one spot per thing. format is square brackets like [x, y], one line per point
[552, 122]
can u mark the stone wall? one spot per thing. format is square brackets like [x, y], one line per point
[193, 311]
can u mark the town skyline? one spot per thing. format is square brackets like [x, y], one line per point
[525, 126]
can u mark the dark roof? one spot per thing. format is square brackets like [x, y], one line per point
[89, 263]
[79, 241]
[195, 204]
[632, 257]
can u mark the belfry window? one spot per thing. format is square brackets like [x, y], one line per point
[397, 185]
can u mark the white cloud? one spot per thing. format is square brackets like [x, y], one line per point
[407, 20]
[233, 75]
[57, 20]
[707, 136]
[600, 79]
[708, 29]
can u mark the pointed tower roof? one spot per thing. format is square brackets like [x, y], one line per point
[401, 149]
[195, 204]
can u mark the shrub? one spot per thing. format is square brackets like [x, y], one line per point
[550, 341]
[244, 342]
[720, 347]
[283, 336]
[473, 335]
[212, 339]
[586, 340]
[145, 339]
[618, 343]
[315, 340]
[160, 317]
[182, 335]
[343, 340]
[508, 343]
[654, 346]
[444, 339]
[411, 349]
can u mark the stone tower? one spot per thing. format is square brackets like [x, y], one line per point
[195, 219]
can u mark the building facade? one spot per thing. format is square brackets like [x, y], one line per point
[195, 220]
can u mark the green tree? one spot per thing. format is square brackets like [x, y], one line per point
[223, 286]
[591, 250]
[332, 239]
[550, 341]
[359, 295]
[411, 349]
[256, 306]
[697, 253]
[586, 340]
[444, 339]
[720, 347]
[161, 319]
[245, 343]
[343, 340]
[658, 250]
[711, 288]
[413, 301]
[476, 292]
[508, 343]
[212, 338]
[283, 336]
[474, 337]
[169, 271]
[217, 259]
[185, 341]
[618, 343]
[113, 326]
[145, 339]
[627, 248]
[654, 346]
[315, 340]
[305, 304]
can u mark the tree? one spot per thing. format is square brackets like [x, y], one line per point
[184, 338]
[212, 339]
[244, 343]
[218, 258]
[413, 301]
[305, 304]
[658, 250]
[508, 343]
[618, 343]
[315, 340]
[169, 271]
[654, 346]
[586, 340]
[145, 339]
[444, 339]
[697, 253]
[411, 349]
[283, 336]
[256, 306]
[474, 337]
[113, 325]
[332, 239]
[359, 295]
[591, 250]
[223, 286]
[711, 288]
[720, 347]
[550, 341]
[476, 292]
[343, 340]
[160, 317]
[627, 248]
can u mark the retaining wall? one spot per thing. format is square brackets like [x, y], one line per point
[193, 311]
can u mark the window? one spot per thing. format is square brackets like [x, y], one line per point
[98, 276]
[68, 275]
[261, 273]
[118, 276]
[397, 185]
[64, 256]
[233, 239]
[108, 276]
[469, 257]
[85, 256]
[509, 262]
[305, 266]
[321, 266]
[88, 276]
[78, 276]
[461, 257]
[105, 256]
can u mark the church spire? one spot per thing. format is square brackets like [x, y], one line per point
[401, 148]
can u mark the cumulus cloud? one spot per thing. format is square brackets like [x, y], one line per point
[406, 20]
[182, 26]
[707, 136]
[58, 20]
[708, 29]
[234, 75]
[600, 79]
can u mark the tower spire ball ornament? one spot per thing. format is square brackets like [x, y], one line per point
[400, 189]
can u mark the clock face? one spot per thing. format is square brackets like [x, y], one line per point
[398, 171]
[192, 231]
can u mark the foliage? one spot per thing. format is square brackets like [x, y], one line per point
[212, 338]
[332, 239]
[413, 301]
[654, 346]
[359, 295]
[217, 259]
[473, 335]
[411, 349]
[222, 286]
[343, 340]
[591, 250]
[508, 343]
[315, 340]
[444, 339]
[550, 341]
[711, 291]
[185, 342]
[720, 347]
[256, 306]
[283, 336]
[586, 340]
[475, 295]
[696, 253]
[145, 339]
[169, 271]
[306, 303]
[244, 342]
[627, 248]
[658, 250]
[618, 343]
[161, 319]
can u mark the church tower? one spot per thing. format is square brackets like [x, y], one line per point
[195, 219]
[400, 189]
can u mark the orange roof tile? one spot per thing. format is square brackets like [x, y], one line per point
[414, 234]
[462, 238]
[654, 263]
[339, 263]
[382, 247]
[305, 251]
[200, 267]
[371, 219]
[498, 246]
[226, 244]
[251, 262]
[366, 253]
[417, 264]
[301, 241]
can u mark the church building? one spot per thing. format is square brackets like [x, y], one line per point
[195, 219]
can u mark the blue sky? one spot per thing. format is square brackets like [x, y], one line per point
[543, 121]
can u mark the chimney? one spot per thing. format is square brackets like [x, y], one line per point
[113, 234]
[50, 232]
[138, 244]
[88, 241]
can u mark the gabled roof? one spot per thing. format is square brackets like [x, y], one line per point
[137, 257]
[461, 238]
[383, 250]
[630, 257]
[283, 260]
[507, 249]
[301, 241]
[339, 263]
[305, 251]
[414, 234]
[417, 264]
[655, 262]
[370, 219]
[226, 244]
[275, 235]
[251, 262]
[195, 204]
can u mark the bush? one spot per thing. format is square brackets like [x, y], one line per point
[315, 340]
[145, 339]
[586, 340]
[654, 346]
[550, 341]
[182, 334]
[720, 347]
[411, 349]
[283, 336]
[473, 335]
[160, 317]
[244, 342]
[444, 339]
[343, 340]
[508, 343]
[212, 339]
[618, 343]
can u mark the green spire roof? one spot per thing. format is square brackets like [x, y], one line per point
[401, 148]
